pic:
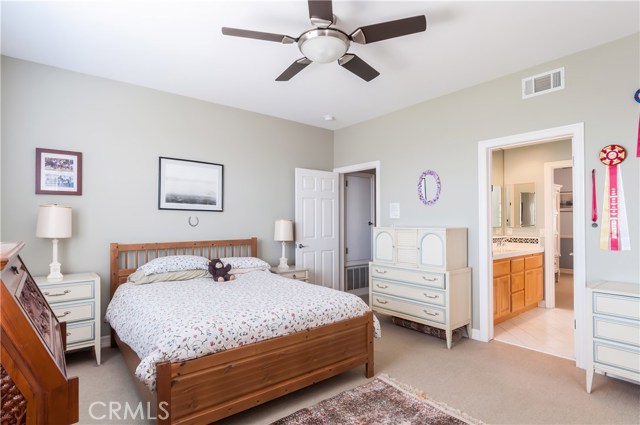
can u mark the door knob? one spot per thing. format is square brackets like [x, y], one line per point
[370, 223]
[299, 245]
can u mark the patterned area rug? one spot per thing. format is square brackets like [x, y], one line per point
[381, 401]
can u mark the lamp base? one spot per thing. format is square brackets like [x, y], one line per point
[283, 264]
[54, 272]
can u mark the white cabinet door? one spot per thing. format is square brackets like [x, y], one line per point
[431, 246]
[383, 245]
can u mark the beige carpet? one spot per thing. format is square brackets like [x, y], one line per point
[493, 382]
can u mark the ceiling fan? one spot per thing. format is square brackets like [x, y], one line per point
[325, 44]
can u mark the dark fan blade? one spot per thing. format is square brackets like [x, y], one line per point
[391, 29]
[321, 12]
[293, 69]
[359, 67]
[258, 35]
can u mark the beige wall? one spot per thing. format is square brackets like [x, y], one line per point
[443, 135]
[122, 130]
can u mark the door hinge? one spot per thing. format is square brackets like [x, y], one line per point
[346, 251]
[574, 324]
[346, 183]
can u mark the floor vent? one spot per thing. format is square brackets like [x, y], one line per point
[546, 82]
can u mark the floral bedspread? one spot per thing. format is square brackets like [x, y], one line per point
[181, 320]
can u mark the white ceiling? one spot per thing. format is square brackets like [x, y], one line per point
[178, 47]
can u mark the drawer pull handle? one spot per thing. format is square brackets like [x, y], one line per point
[430, 314]
[66, 291]
[294, 276]
[68, 333]
[430, 279]
[15, 270]
[382, 301]
[65, 313]
[381, 271]
[381, 286]
[430, 296]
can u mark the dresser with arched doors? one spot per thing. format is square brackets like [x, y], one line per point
[421, 274]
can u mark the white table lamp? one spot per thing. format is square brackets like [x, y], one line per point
[54, 221]
[283, 233]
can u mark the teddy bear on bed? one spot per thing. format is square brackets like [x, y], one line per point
[219, 271]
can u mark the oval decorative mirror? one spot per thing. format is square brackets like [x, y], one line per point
[429, 187]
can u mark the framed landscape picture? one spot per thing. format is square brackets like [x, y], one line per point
[58, 172]
[190, 185]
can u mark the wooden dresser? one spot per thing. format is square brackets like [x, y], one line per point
[613, 330]
[34, 372]
[421, 274]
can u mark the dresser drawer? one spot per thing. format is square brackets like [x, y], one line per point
[418, 293]
[436, 280]
[616, 305]
[616, 330]
[80, 332]
[420, 311]
[74, 312]
[298, 275]
[615, 355]
[67, 292]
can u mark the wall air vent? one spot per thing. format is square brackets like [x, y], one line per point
[546, 82]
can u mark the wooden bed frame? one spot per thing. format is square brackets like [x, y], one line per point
[218, 385]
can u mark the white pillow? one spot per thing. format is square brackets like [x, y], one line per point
[246, 262]
[173, 263]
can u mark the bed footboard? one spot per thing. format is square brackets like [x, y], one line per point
[213, 387]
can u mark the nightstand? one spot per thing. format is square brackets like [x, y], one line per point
[292, 272]
[76, 300]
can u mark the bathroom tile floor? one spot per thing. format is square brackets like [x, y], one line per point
[546, 330]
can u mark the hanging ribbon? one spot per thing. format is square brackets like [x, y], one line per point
[614, 233]
[637, 98]
[594, 203]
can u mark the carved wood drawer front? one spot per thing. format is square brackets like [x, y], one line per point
[421, 311]
[80, 332]
[419, 277]
[417, 293]
[67, 292]
[74, 312]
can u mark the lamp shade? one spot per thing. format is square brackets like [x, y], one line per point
[283, 231]
[54, 221]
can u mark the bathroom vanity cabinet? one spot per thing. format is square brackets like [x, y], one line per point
[518, 285]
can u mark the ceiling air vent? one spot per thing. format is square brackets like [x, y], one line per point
[543, 83]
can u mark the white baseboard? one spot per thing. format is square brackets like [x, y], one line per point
[566, 271]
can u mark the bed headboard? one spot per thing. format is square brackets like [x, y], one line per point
[126, 258]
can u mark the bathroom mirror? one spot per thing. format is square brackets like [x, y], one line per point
[496, 206]
[523, 205]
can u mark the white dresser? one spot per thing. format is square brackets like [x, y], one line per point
[613, 330]
[421, 274]
[76, 300]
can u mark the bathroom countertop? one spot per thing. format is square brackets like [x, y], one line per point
[515, 250]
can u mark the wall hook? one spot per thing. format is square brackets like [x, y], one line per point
[196, 223]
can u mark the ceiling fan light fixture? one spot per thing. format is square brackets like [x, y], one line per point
[323, 45]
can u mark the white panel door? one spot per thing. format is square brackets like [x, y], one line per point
[316, 223]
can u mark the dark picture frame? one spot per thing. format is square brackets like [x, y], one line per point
[58, 172]
[190, 185]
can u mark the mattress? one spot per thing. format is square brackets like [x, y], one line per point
[182, 320]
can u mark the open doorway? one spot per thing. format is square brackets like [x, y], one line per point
[543, 324]
[359, 210]
[359, 219]
[575, 133]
